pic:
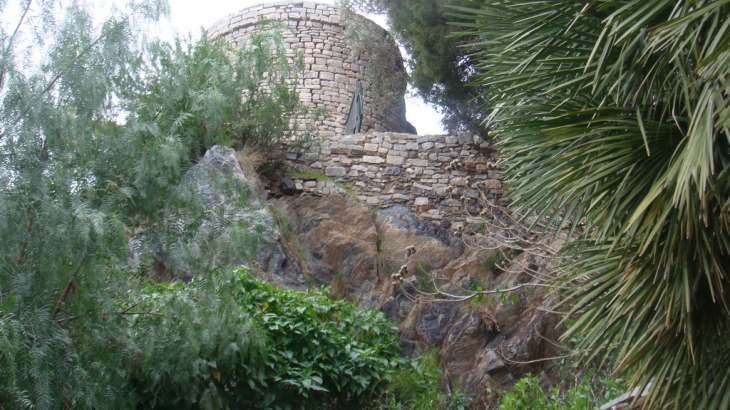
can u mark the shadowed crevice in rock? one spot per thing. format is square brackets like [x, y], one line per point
[480, 342]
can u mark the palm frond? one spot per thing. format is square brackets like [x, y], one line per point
[614, 114]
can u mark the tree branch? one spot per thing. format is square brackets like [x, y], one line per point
[24, 244]
[11, 40]
[69, 285]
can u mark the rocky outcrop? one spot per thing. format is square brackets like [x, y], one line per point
[215, 218]
[487, 340]
[484, 341]
[312, 240]
[338, 235]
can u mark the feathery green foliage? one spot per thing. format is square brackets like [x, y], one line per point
[193, 91]
[63, 223]
[97, 129]
[612, 119]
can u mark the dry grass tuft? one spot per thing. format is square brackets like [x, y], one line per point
[249, 159]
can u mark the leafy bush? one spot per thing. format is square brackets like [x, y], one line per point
[320, 350]
[527, 394]
[416, 385]
[245, 343]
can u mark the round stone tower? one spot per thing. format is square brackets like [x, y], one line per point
[342, 52]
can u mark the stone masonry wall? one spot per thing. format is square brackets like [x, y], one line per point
[439, 177]
[333, 62]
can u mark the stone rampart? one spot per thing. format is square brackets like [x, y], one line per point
[439, 177]
[334, 59]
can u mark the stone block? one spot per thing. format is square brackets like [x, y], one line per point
[412, 146]
[440, 189]
[372, 159]
[394, 160]
[420, 201]
[464, 138]
[335, 171]
[492, 184]
[417, 162]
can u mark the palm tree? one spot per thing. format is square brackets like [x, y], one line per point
[613, 120]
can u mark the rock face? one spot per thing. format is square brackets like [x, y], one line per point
[311, 240]
[480, 342]
[339, 235]
[215, 218]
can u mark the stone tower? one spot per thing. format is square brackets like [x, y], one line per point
[339, 49]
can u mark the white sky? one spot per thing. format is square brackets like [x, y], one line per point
[190, 15]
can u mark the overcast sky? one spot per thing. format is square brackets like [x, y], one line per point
[190, 15]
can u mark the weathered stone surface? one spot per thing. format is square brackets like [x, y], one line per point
[369, 159]
[492, 184]
[479, 344]
[420, 183]
[332, 66]
[216, 185]
[420, 201]
[335, 171]
[340, 233]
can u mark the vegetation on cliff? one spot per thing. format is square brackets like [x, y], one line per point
[100, 133]
[612, 122]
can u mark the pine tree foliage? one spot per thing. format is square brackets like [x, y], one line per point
[60, 231]
[612, 118]
[96, 129]
[194, 92]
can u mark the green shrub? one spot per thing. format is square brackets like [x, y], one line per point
[192, 345]
[248, 344]
[416, 385]
[194, 88]
[590, 393]
[321, 350]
